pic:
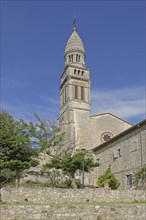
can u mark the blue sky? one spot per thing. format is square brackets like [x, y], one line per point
[33, 39]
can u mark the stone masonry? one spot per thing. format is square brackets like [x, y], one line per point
[56, 196]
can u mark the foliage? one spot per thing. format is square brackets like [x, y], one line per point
[46, 136]
[140, 178]
[108, 177]
[16, 151]
[6, 176]
[69, 164]
[33, 184]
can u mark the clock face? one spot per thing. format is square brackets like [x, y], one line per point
[106, 136]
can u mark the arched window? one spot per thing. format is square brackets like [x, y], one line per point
[76, 92]
[72, 58]
[82, 93]
[78, 58]
[78, 72]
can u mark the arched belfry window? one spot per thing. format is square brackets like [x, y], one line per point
[77, 58]
[76, 92]
[71, 58]
[82, 93]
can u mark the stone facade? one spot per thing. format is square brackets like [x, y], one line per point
[125, 154]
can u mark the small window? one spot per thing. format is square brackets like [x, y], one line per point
[119, 152]
[115, 154]
[78, 72]
[133, 146]
[129, 180]
[75, 71]
[82, 73]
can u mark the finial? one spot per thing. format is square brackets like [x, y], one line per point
[74, 24]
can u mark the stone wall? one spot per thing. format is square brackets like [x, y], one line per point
[90, 212]
[56, 196]
[125, 155]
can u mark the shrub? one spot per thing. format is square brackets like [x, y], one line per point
[140, 178]
[108, 177]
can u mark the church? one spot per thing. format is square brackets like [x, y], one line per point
[115, 142]
[82, 129]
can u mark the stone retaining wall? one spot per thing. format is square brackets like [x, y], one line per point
[52, 195]
[46, 212]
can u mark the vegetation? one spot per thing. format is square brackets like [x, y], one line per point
[46, 136]
[140, 178]
[70, 164]
[109, 178]
[16, 151]
[21, 142]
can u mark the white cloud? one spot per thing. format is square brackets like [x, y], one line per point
[125, 103]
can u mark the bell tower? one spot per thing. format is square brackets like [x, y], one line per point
[74, 92]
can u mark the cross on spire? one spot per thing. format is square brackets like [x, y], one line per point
[74, 23]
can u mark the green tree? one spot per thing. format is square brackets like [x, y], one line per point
[70, 164]
[109, 178]
[46, 136]
[140, 178]
[16, 151]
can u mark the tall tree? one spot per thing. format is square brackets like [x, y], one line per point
[16, 151]
[46, 136]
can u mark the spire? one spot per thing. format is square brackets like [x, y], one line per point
[74, 24]
[74, 43]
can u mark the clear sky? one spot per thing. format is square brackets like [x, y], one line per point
[34, 34]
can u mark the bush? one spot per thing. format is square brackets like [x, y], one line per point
[109, 178]
[140, 178]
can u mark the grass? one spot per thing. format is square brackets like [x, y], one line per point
[79, 204]
[32, 184]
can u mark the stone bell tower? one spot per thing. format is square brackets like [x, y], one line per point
[74, 117]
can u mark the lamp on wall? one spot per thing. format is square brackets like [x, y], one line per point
[83, 152]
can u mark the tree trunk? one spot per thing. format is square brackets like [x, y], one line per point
[74, 185]
[17, 178]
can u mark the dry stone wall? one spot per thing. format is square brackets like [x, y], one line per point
[46, 212]
[48, 195]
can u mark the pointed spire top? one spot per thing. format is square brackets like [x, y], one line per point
[74, 24]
